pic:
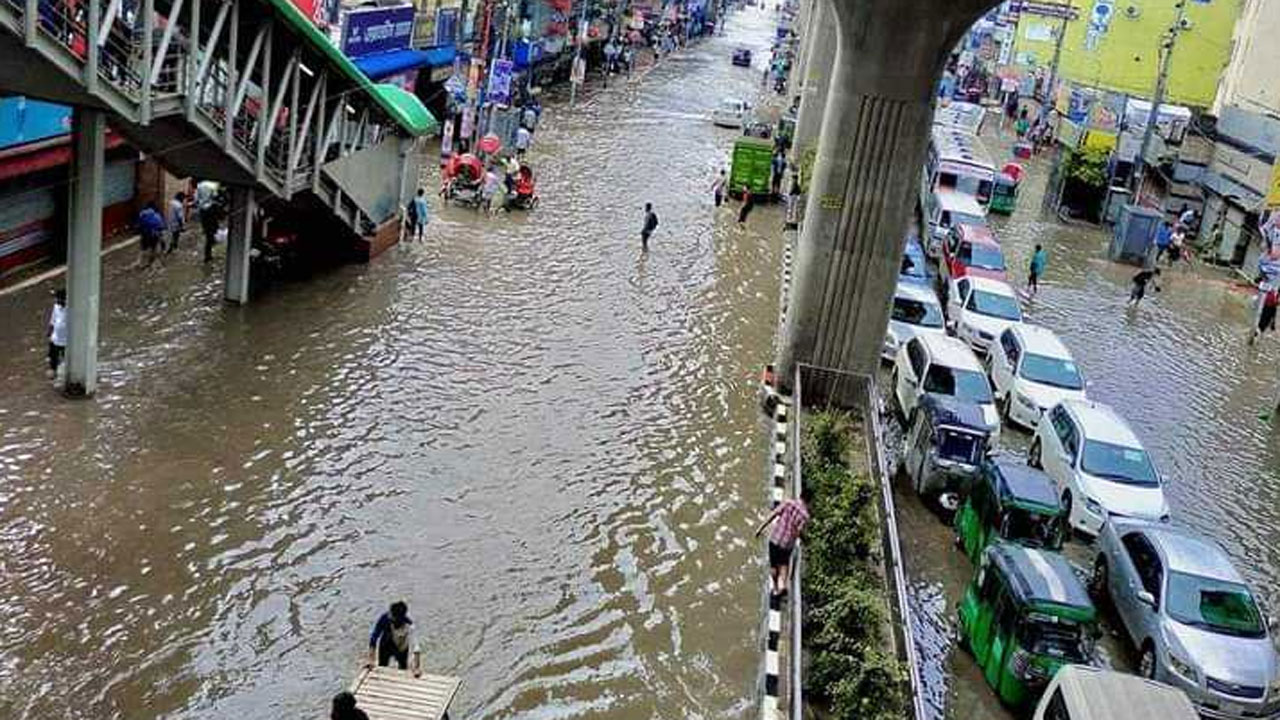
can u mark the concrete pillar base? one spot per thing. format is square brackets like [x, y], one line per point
[84, 252]
[240, 229]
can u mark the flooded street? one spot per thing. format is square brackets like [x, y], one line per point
[545, 442]
[1178, 368]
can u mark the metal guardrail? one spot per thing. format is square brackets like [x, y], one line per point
[825, 387]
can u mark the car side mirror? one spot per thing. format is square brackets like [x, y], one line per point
[1146, 598]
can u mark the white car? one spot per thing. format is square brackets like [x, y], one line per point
[943, 365]
[979, 309]
[731, 113]
[915, 311]
[1032, 371]
[1098, 464]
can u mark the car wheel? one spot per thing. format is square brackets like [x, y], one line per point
[1006, 406]
[1147, 662]
[1098, 581]
[1034, 456]
[1066, 506]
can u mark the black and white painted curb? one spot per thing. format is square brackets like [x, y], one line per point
[771, 707]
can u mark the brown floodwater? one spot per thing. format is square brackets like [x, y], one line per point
[547, 443]
[1178, 368]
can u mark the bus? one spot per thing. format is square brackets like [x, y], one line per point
[963, 116]
[959, 162]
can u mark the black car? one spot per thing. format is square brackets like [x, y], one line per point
[742, 57]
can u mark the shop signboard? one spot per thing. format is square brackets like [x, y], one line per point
[446, 26]
[1273, 191]
[368, 31]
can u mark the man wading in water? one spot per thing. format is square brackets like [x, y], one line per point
[392, 637]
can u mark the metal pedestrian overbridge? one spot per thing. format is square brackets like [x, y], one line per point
[246, 92]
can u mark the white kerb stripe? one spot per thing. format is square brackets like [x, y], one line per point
[778, 495]
[771, 662]
[780, 449]
[775, 621]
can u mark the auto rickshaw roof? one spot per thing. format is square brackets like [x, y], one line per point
[948, 410]
[1040, 576]
[1019, 483]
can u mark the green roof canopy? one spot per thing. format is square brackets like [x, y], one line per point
[403, 107]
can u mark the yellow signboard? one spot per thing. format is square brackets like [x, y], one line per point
[1273, 188]
[1100, 140]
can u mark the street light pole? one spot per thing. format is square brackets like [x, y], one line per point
[1167, 43]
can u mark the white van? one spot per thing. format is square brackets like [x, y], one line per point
[1078, 692]
[945, 209]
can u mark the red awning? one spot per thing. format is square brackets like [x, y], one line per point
[44, 156]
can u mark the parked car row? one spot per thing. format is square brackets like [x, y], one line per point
[965, 363]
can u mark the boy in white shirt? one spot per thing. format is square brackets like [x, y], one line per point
[57, 331]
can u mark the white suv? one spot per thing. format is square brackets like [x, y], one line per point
[1032, 371]
[942, 365]
[1098, 464]
[979, 309]
[916, 311]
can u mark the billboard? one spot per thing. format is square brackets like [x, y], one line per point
[369, 31]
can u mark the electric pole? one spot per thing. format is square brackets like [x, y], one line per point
[1051, 97]
[1167, 43]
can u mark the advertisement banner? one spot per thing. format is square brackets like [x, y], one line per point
[500, 82]
[369, 31]
[446, 26]
[1273, 191]
[446, 139]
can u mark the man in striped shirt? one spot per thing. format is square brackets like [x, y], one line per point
[791, 517]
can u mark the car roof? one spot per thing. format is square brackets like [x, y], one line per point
[959, 202]
[950, 351]
[1039, 340]
[948, 410]
[1099, 422]
[1023, 483]
[1036, 575]
[991, 285]
[916, 291]
[1096, 694]
[1187, 551]
[975, 233]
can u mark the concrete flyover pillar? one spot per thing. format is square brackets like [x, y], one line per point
[240, 229]
[84, 251]
[818, 63]
[875, 128]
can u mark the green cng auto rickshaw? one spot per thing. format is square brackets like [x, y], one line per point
[946, 441]
[1024, 615]
[1012, 501]
[1004, 195]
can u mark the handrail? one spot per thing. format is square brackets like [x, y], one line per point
[795, 592]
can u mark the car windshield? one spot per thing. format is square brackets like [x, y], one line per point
[912, 265]
[1031, 529]
[1117, 462]
[1218, 606]
[915, 312]
[959, 446]
[963, 384]
[1046, 370]
[989, 303]
[1055, 637]
[981, 256]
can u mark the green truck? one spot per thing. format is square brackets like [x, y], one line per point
[752, 166]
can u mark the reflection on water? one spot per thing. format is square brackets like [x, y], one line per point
[1178, 369]
[545, 443]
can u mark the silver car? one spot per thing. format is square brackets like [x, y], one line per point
[1191, 617]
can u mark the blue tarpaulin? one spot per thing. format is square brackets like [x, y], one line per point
[387, 64]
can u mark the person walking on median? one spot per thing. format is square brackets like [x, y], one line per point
[1039, 259]
[177, 220]
[57, 331]
[718, 186]
[392, 638]
[748, 204]
[779, 168]
[523, 138]
[791, 517]
[650, 224]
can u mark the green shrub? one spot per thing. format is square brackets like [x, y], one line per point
[849, 669]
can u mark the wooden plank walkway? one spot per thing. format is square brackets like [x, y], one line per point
[394, 694]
